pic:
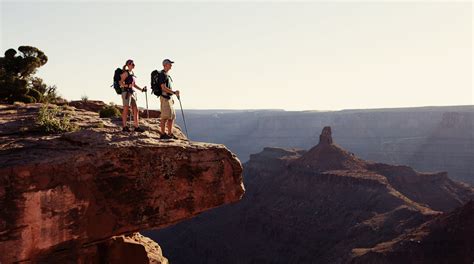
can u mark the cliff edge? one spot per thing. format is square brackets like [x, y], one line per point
[67, 193]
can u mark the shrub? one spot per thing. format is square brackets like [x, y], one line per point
[109, 111]
[51, 95]
[35, 94]
[50, 120]
[25, 99]
[84, 98]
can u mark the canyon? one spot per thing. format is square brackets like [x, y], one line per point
[424, 138]
[323, 205]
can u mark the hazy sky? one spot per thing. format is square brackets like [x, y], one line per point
[254, 55]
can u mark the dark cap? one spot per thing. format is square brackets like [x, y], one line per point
[129, 61]
[167, 61]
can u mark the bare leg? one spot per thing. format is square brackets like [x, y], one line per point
[170, 126]
[162, 126]
[135, 116]
[124, 116]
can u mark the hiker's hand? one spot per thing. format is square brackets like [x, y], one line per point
[144, 89]
[177, 93]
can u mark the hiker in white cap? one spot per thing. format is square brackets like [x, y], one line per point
[168, 114]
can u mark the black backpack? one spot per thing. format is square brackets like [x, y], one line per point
[116, 84]
[155, 85]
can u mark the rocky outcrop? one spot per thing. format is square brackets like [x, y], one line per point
[96, 106]
[434, 190]
[133, 248]
[328, 156]
[326, 136]
[447, 238]
[274, 159]
[313, 207]
[62, 193]
[88, 105]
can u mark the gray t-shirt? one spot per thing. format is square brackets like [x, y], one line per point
[164, 78]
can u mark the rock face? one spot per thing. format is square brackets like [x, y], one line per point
[313, 206]
[64, 193]
[447, 238]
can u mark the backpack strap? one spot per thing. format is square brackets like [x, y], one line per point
[167, 96]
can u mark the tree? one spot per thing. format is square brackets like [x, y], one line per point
[17, 80]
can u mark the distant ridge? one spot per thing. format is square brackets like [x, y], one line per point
[389, 109]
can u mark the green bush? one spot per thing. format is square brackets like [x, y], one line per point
[51, 95]
[25, 99]
[35, 94]
[50, 120]
[109, 111]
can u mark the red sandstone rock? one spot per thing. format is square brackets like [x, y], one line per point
[19, 121]
[143, 113]
[434, 190]
[124, 249]
[88, 105]
[60, 193]
[96, 106]
[448, 238]
[328, 156]
[326, 136]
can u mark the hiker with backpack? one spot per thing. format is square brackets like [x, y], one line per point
[126, 84]
[161, 83]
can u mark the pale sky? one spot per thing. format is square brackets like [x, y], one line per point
[256, 55]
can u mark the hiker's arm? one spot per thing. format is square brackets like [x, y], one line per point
[136, 86]
[166, 89]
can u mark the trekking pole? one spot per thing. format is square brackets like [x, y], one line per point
[146, 98]
[182, 113]
[130, 111]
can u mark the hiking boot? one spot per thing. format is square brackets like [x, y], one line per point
[165, 136]
[125, 129]
[173, 136]
[139, 129]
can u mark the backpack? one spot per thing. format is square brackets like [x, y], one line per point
[155, 86]
[116, 84]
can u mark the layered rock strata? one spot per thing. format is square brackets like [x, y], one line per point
[61, 193]
[448, 238]
[313, 206]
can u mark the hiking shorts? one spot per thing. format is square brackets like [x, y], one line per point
[167, 109]
[129, 99]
